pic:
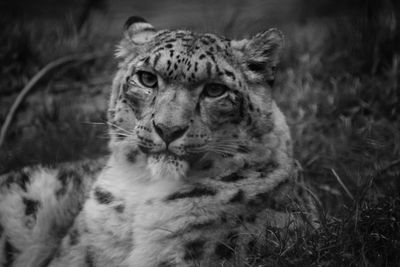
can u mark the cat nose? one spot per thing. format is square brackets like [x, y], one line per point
[169, 133]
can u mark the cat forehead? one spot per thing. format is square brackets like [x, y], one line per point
[190, 57]
[188, 39]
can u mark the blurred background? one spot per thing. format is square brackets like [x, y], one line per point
[338, 84]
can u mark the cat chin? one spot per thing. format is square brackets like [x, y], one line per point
[166, 167]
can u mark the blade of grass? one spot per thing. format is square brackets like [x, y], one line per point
[50, 66]
[342, 184]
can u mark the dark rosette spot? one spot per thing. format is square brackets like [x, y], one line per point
[74, 237]
[31, 206]
[102, 196]
[233, 177]
[194, 249]
[195, 192]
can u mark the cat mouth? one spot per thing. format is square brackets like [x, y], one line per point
[167, 155]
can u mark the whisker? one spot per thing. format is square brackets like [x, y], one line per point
[95, 123]
[230, 147]
[221, 151]
[134, 142]
[125, 133]
[143, 145]
[118, 127]
[225, 147]
[227, 140]
[224, 151]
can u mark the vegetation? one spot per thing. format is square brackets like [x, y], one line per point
[342, 98]
[338, 84]
[63, 117]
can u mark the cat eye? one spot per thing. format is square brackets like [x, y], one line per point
[147, 79]
[214, 89]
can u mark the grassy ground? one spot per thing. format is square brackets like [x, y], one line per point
[342, 97]
[63, 117]
[338, 84]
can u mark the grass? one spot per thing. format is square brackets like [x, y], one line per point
[66, 107]
[368, 236]
[343, 109]
[344, 120]
[338, 84]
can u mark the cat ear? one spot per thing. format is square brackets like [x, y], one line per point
[260, 54]
[137, 31]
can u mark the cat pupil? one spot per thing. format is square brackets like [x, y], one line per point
[148, 79]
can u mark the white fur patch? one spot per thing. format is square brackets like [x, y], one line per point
[140, 32]
[166, 168]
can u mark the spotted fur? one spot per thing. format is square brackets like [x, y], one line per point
[38, 205]
[201, 163]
